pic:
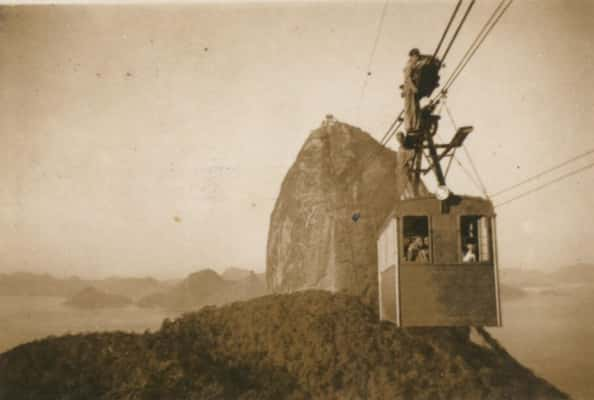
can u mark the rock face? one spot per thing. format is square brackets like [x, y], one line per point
[331, 205]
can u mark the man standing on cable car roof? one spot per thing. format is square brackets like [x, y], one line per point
[410, 89]
[409, 92]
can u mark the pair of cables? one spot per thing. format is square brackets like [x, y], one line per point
[488, 26]
[542, 174]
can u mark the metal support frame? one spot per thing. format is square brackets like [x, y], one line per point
[397, 270]
[496, 270]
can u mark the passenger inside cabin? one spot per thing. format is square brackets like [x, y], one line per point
[424, 252]
[474, 238]
[406, 243]
[470, 253]
[418, 250]
[470, 235]
[414, 248]
[415, 239]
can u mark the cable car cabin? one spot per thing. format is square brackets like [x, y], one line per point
[439, 268]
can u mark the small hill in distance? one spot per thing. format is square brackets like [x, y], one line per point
[579, 273]
[92, 298]
[198, 289]
[522, 277]
[237, 274]
[30, 284]
[206, 287]
[132, 287]
[305, 345]
[564, 279]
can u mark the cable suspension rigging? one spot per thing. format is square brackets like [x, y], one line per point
[476, 184]
[398, 121]
[478, 41]
[385, 138]
[544, 185]
[445, 32]
[457, 30]
[372, 53]
[392, 130]
[483, 188]
[541, 174]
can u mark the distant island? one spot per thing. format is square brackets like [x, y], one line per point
[146, 291]
[35, 284]
[207, 287]
[92, 298]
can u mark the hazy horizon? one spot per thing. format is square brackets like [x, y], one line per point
[152, 140]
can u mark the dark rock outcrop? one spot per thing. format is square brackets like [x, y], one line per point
[332, 202]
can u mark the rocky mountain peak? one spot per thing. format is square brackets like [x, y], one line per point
[332, 202]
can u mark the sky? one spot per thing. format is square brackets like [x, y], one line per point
[152, 139]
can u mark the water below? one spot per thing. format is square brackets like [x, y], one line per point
[553, 335]
[26, 318]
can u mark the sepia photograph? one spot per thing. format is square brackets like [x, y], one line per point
[297, 199]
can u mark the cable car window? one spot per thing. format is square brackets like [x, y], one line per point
[416, 242]
[475, 238]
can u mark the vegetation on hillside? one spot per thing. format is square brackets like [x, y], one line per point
[309, 344]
